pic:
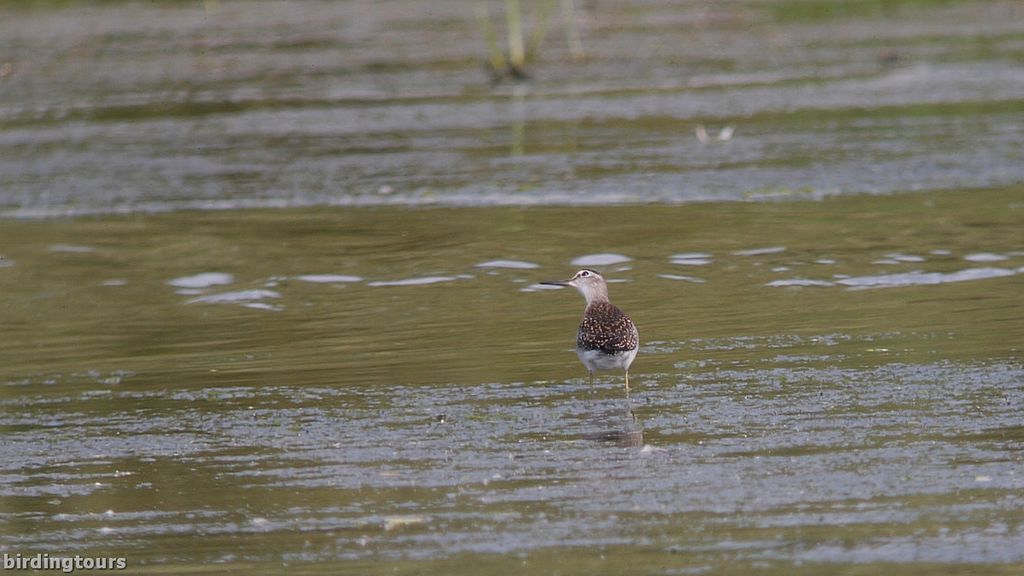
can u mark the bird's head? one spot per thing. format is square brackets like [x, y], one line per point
[589, 282]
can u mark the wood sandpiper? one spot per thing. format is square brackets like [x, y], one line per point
[607, 339]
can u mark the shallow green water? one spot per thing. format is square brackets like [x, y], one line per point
[376, 421]
[812, 210]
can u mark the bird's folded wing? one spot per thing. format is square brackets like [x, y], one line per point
[607, 328]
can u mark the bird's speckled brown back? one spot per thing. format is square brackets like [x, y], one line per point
[607, 328]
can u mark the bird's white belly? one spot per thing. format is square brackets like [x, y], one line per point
[597, 360]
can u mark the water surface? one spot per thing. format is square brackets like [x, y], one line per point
[140, 107]
[271, 293]
[177, 390]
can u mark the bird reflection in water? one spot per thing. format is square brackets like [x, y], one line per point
[617, 426]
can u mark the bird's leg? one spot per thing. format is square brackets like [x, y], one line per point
[627, 381]
[591, 373]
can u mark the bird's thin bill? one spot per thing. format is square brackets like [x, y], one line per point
[556, 282]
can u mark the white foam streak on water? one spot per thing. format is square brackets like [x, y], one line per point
[412, 281]
[71, 248]
[798, 282]
[606, 259]
[899, 258]
[692, 261]
[263, 306]
[203, 280]
[760, 251]
[693, 279]
[922, 278]
[237, 297]
[915, 278]
[985, 257]
[329, 278]
[510, 264]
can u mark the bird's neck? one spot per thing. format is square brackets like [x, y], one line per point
[596, 295]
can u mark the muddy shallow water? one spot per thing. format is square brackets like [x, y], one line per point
[141, 107]
[271, 301]
[830, 382]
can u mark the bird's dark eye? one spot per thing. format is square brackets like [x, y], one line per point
[585, 273]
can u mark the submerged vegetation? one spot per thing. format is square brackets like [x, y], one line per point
[513, 65]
